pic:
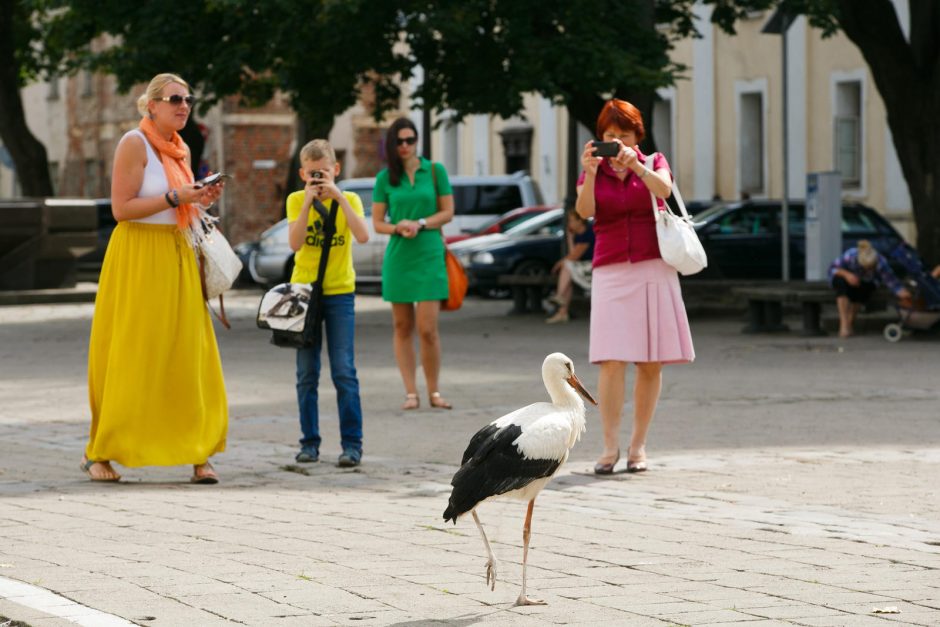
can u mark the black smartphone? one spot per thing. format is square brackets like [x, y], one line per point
[606, 149]
[212, 179]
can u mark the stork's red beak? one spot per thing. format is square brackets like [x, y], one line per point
[574, 382]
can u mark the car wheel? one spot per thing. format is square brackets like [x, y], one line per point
[893, 332]
[535, 268]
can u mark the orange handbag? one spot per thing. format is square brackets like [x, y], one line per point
[456, 282]
[456, 276]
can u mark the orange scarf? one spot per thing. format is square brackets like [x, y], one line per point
[173, 156]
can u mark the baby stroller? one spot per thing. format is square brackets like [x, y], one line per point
[924, 310]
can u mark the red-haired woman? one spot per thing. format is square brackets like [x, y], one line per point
[637, 313]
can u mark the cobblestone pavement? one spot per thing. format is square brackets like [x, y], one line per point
[792, 482]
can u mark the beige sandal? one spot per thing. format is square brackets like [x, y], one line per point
[87, 464]
[204, 474]
[437, 401]
[411, 402]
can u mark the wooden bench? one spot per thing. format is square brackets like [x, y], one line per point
[527, 290]
[765, 305]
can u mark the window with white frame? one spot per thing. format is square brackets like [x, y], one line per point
[751, 142]
[847, 133]
[54, 175]
[88, 84]
[53, 93]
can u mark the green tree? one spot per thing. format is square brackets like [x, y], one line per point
[480, 56]
[317, 53]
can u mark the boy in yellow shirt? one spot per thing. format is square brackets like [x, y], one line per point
[319, 170]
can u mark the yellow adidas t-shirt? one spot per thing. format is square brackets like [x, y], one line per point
[340, 278]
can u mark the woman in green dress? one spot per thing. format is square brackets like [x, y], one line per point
[419, 203]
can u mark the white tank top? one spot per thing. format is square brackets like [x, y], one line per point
[154, 184]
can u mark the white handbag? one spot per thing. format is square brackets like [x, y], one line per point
[679, 245]
[219, 266]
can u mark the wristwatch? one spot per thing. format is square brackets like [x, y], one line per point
[422, 224]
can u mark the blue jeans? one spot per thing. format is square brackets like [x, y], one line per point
[339, 317]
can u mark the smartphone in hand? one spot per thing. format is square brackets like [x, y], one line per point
[212, 179]
[605, 149]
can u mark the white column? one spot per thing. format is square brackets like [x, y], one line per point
[481, 144]
[797, 139]
[703, 89]
[547, 168]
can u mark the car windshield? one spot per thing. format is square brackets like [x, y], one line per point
[365, 195]
[707, 214]
[507, 223]
[531, 226]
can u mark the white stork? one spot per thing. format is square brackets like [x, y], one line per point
[518, 454]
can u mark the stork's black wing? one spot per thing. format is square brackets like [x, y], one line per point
[493, 465]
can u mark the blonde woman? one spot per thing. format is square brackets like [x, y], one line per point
[154, 374]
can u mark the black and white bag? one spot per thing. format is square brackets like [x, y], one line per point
[291, 311]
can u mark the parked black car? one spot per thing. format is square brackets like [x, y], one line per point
[528, 248]
[743, 240]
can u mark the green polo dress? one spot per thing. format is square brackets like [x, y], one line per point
[413, 269]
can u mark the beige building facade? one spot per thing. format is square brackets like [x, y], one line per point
[721, 126]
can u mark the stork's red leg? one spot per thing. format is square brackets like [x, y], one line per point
[491, 562]
[526, 532]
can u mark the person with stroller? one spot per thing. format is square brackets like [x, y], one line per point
[854, 276]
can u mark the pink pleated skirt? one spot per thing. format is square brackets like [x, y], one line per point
[637, 314]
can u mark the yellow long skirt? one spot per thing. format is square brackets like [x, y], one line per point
[154, 374]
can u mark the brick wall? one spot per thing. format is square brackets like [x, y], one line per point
[254, 198]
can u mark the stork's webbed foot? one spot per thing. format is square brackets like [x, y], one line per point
[524, 600]
[491, 573]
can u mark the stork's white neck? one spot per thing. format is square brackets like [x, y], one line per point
[567, 399]
[563, 395]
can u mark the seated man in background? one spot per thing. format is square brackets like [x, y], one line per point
[580, 236]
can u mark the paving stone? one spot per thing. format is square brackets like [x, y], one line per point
[762, 506]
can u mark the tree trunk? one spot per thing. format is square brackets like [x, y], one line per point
[908, 78]
[28, 153]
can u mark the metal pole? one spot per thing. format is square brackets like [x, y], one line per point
[785, 205]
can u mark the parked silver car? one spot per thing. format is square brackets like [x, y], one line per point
[477, 200]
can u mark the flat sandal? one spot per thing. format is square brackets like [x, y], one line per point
[437, 401]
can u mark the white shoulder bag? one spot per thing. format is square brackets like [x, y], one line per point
[679, 245]
[219, 266]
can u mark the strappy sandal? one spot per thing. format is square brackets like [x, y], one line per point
[206, 477]
[88, 463]
[437, 401]
[411, 402]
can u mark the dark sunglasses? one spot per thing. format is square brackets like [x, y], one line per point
[176, 100]
[411, 141]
